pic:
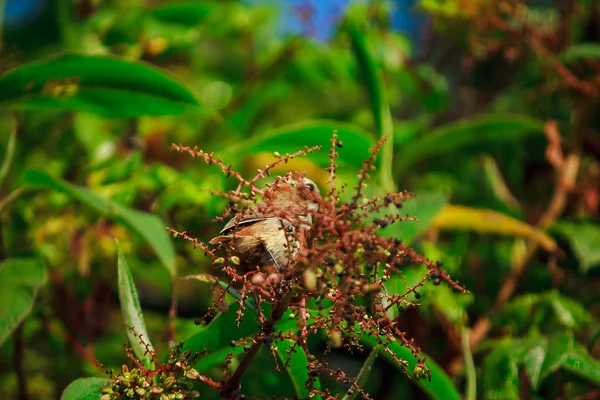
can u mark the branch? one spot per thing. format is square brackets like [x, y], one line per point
[563, 186]
[231, 386]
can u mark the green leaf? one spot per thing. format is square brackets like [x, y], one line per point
[440, 386]
[112, 87]
[569, 313]
[19, 281]
[534, 360]
[218, 335]
[501, 373]
[497, 183]
[291, 138]
[84, 389]
[132, 311]
[425, 206]
[559, 347]
[451, 303]
[584, 239]
[579, 362]
[453, 136]
[363, 374]
[148, 226]
[581, 51]
[297, 367]
[379, 102]
[187, 13]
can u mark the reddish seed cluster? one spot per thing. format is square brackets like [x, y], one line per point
[336, 283]
[508, 28]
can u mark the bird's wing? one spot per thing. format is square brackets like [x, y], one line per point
[244, 221]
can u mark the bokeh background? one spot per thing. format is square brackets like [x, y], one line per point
[492, 108]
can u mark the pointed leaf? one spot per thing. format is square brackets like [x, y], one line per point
[501, 373]
[84, 389]
[534, 359]
[378, 97]
[440, 387]
[584, 239]
[187, 13]
[131, 310]
[453, 136]
[579, 362]
[581, 51]
[425, 206]
[112, 87]
[291, 138]
[149, 226]
[297, 368]
[497, 183]
[218, 335]
[489, 221]
[559, 347]
[570, 313]
[19, 280]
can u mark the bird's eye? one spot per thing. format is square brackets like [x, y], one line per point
[310, 187]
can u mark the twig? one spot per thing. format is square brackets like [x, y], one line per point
[12, 196]
[10, 152]
[231, 386]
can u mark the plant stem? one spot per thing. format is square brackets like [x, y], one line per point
[471, 391]
[10, 149]
[12, 196]
[17, 360]
[172, 313]
[231, 386]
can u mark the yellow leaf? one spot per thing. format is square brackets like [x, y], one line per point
[488, 221]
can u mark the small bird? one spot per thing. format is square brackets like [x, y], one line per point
[261, 239]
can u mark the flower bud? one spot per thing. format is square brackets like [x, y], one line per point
[336, 339]
[258, 279]
[218, 261]
[169, 382]
[419, 371]
[310, 280]
[192, 374]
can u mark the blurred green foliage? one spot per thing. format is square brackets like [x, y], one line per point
[494, 124]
